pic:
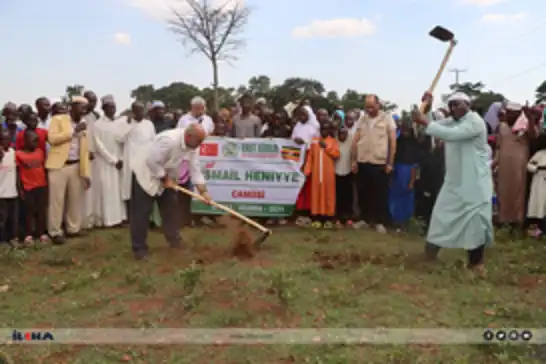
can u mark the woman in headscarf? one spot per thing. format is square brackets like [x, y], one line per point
[339, 119]
[303, 133]
[401, 194]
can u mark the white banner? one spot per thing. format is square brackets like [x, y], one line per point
[256, 176]
[273, 336]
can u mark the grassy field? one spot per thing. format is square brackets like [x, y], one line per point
[300, 279]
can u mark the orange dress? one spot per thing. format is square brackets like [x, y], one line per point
[320, 168]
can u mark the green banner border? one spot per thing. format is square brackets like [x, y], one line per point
[245, 208]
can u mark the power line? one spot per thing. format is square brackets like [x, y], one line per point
[457, 72]
[522, 73]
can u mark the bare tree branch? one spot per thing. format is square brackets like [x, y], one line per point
[213, 30]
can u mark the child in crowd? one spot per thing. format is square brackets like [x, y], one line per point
[9, 197]
[401, 196]
[536, 209]
[220, 129]
[31, 122]
[320, 168]
[344, 179]
[30, 162]
[277, 126]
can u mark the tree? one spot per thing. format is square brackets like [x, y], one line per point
[178, 95]
[540, 93]
[213, 31]
[259, 86]
[143, 93]
[71, 91]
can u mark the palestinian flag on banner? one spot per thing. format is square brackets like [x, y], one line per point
[291, 153]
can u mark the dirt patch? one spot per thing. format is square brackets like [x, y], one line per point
[333, 260]
[146, 305]
[404, 288]
[242, 241]
[208, 254]
[529, 283]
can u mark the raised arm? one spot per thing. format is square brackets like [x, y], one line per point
[56, 135]
[469, 128]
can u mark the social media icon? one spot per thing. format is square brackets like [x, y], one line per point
[488, 335]
[526, 335]
[501, 335]
[513, 335]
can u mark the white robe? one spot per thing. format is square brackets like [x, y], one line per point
[107, 154]
[90, 204]
[132, 136]
[537, 199]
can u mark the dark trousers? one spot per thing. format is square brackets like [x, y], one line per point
[344, 197]
[373, 193]
[424, 205]
[184, 201]
[36, 211]
[141, 208]
[9, 219]
[475, 256]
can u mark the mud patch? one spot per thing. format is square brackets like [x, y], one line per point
[328, 260]
[208, 254]
[147, 305]
[530, 283]
[242, 241]
[404, 288]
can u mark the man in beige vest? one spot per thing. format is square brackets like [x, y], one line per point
[372, 154]
[68, 170]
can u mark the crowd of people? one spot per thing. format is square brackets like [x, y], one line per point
[67, 168]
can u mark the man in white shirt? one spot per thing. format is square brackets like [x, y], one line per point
[197, 116]
[156, 169]
[43, 107]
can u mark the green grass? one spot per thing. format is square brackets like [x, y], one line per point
[300, 279]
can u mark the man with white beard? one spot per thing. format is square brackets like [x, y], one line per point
[133, 131]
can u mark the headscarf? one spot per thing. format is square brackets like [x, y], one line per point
[407, 148]
[341, 114]
[492, 114]
[309, 130]
[312, 117]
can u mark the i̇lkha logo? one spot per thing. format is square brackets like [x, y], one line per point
[18, 336]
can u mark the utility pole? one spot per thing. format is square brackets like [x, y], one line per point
[457, 72]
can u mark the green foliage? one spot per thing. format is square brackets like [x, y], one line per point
[540, 93]
[178, 95]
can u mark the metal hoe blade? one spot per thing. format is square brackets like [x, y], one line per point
[442, 34]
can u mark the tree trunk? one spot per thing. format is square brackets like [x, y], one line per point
[215, 84]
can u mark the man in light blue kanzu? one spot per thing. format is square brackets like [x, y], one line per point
[462, 215]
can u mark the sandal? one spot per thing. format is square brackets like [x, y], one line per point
[29, 241]
[44, 239]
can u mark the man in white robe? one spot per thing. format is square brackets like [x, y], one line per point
[91, 205]
[133, 131]
[108, 158]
